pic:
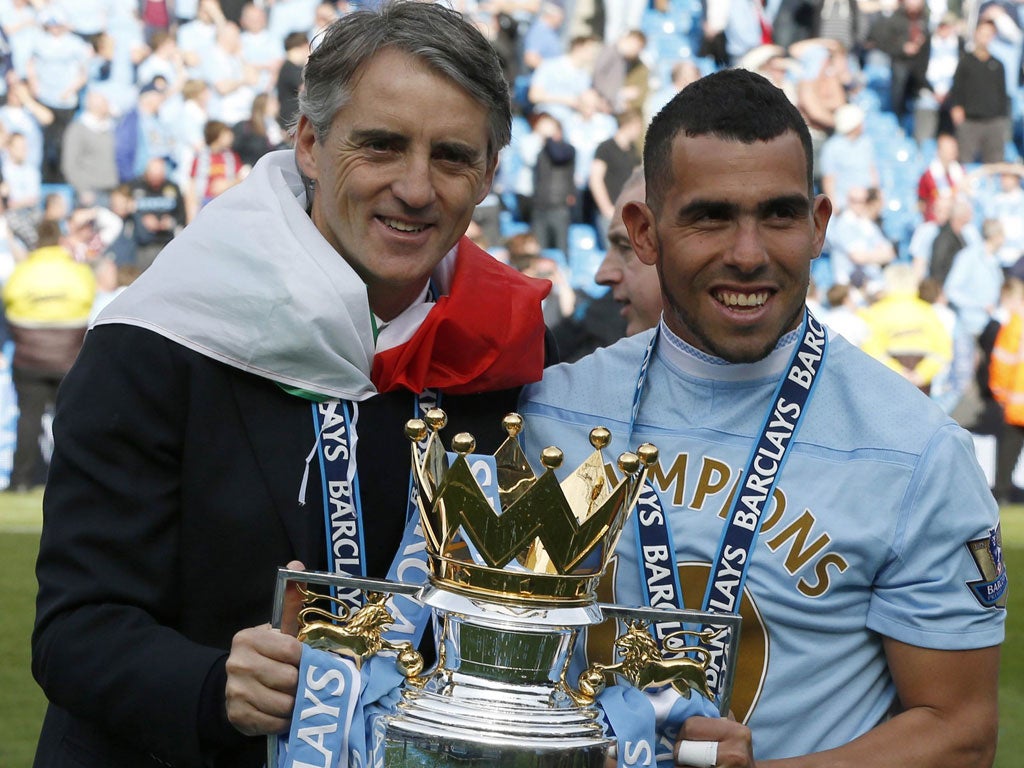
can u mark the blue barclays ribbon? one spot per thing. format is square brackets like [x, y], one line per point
[764, 466]
[635, 718]
[337, 709]
[325, 704]
[659, 575]
[630, 717]
[336, 424]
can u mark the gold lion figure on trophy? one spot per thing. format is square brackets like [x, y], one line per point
[356, 636]
[643, 666]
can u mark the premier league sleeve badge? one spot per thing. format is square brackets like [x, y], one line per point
[990, 589]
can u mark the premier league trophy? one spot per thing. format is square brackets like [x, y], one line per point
[513, 573]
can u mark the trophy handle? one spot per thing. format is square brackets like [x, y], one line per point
[645, 665]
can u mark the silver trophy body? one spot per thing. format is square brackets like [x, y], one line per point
[496, 695]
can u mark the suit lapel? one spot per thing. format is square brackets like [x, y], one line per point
[280, 432]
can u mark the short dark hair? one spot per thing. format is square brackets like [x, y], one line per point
[48, 232]
[733, 104]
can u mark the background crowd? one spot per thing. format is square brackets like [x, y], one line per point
[120, 119]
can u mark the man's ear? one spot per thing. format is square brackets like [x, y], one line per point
[639, 221]
[488, 180]
[305, 145]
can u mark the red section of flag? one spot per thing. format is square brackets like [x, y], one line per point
[486, 334]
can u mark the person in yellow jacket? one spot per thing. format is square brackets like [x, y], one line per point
[905, 332]
[1006, 380]
[47, 301]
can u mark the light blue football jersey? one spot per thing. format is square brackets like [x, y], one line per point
[882, 522]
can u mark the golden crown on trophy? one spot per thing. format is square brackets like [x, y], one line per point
[533, 539]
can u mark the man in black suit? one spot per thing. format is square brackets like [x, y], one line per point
[241, 406]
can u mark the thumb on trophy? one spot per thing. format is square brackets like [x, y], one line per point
[292, 601]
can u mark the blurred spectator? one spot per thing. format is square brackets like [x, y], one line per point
[18, 18]
[289, 78]
[185, 124]
[25, 222]
[922, 241]
[772, 62]
[199, 35]
[905, 332]
[12, 249]
[260, 49]
[620, 16]
[979, 104]
[839, 20]
[558, 83]
[1005, 203]
[843, 313]
[951, 383]
[744, 24]
[847, 157]
[22, 183]
[23, 114]
[231, 79]
[620, 75]
[82, 236]
[943, 177]
[324, 14]
[58, 69]
[111, 280]
[1006, 381]
[287, 16]
[159, 211]
[141, 134]
[857, 246]
[543, 39]
[614, 161]
[554, 186]
[683, 73]
[903, 37]
[215, 168]
[165, 61]
[822, 87]
[586, 129]
[123, 246]
[931, 112]
[88, 159]
[156, 16]
[953, 236]
[976, 279]
[47, 300]
[260, 133]
[524, 253]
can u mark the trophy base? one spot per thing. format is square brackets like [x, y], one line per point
[433, 752]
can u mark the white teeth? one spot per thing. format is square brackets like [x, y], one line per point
[402, 226]
[743, 299]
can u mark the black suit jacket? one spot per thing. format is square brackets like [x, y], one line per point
[172, 501]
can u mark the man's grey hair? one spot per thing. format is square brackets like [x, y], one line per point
[435, 34]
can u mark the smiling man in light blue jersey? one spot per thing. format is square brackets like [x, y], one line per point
[835, 507]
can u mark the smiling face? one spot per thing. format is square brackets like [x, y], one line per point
[733, 241]
[398, 175]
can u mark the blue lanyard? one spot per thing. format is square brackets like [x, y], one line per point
[659, 574]
[336, 423]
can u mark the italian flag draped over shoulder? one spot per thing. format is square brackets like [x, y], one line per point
[253, 284]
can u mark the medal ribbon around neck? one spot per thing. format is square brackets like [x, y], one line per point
[336, 424]
[764, 465]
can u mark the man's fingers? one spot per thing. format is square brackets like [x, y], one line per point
[262, 677]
